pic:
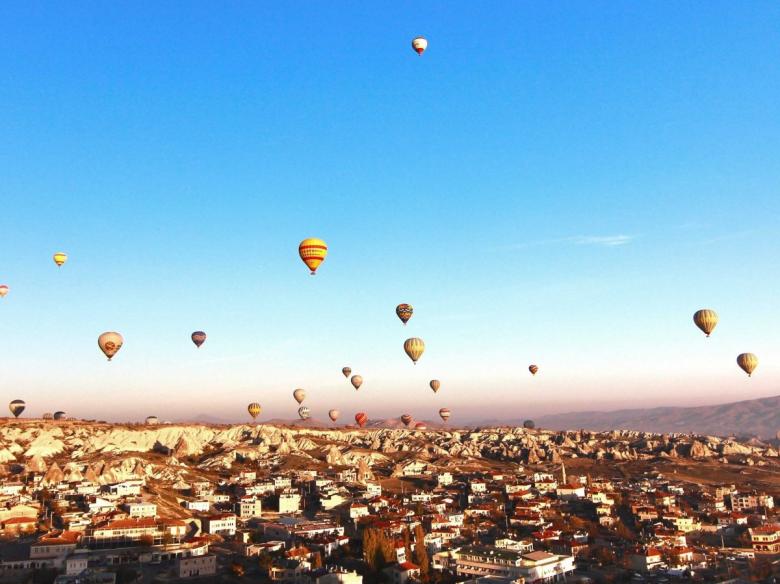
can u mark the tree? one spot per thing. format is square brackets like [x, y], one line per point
[265, 561]
[316, 561]
[420, 553]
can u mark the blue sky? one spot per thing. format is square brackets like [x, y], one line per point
[562, 184]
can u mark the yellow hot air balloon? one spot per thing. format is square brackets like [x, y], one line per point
[313, 252]
[706, 320]
[3, 290]
[254, 409]
[299, 395]
[357, 381]
[110, 343]
[404, 312]
[435, 385]
[60, 258]
[414, 347]
[747, 362]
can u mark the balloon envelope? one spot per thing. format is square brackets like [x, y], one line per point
[110, 343]
[60, 258]
[254, 409]
[529, 424]
[361, 418]
[406, 419]
[59, 415]
[299, 395]
[3, 290]
[304, 412]
[334, 415]
[419, 44]
[357, 381]
[313, 252]
[199, 337]
[17, 407]
[706, 320]
[414, 348]
[747, 362]
[152, 420]
[404, 312]
[347, 371]
[444, 414]
[533, 369]
[435, 385]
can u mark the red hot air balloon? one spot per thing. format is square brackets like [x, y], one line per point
[361, 418]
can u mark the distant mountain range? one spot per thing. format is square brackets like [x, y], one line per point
[755, 417]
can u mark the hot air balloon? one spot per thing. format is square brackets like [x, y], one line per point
[407, 419]
[444, 414]
[404, 312]
[334, 415]
[414, 347]
[313, 252]
[299, 395]
[152, 421]
[60, 258]
[361, 418]
[17, 407]
[60, 415]
[420, 426]
[747, 362]
[347, 371]
[419, 45]
[198, 337]
[533, 369]
[706, 320]
[254, 409]
[304, 412]
[435, 385]
[47, 416]
[3, 290]
[110, 343]
[357, 381]
[529, 424]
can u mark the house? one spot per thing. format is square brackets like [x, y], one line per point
[15, 526]
[546, 567]
[289, 502]
[358, 510]
[645, 560]
[53, 548]
[220, 524]
[199, 506]
[765, 538]
[141, 509]
[249, 507]
[444, 479]
[339, 577]
[193, 566]
[400, 573]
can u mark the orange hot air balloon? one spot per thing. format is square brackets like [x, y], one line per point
[313, 252]
[361, 418]
[357, 381]
[407, 419]
[60, 258]
[299, 395]
[435, 385]
[419, 44]
[444, 414]
[334, 415]
[706, 320]
[3, 290]
[404, 312]
[533, 369]
[347, 371]
[747, 362]
[414, 348]
[198, 337]
[110, 343]
[254, 409]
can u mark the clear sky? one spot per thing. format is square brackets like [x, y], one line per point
[555, 183]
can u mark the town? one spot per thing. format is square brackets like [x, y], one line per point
[368, 514]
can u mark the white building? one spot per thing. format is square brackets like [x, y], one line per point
[222, 524]
[196, 566]
[247, 508]
[289, 502]
[141, 509]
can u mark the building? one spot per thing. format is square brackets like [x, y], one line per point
[196, 566]
[141, 509]
[289, 502]
[765, 538]
[400, 573]
[220, 524]
[480, 561]
[247, 508]
[645, 560]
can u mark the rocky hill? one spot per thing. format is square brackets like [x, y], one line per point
[756, 417]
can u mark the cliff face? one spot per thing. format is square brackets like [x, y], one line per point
[114, 452]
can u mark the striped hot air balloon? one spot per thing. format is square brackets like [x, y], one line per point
[747, 362]
[435, 385]
[254, 410]
[110, 343]
[304, 413]
[17, 407]
[414, 348]
[706, 320]
[420, 426]
[444, 414]
[404, 312]
[419, 44]
[361, 418]
[152, 421]
[198, 337]
[357, 381]
[313, 252]
[407, 419]
[533, 369]
[60, 258]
